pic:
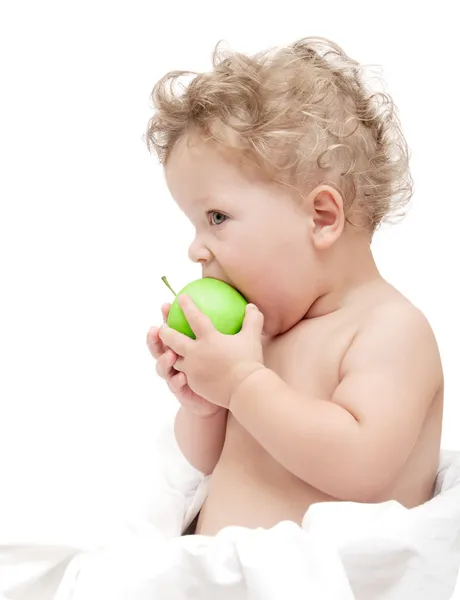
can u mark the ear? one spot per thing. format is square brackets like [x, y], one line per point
[326, 209]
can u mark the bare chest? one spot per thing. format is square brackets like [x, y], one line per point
[263, 492]
[308, 358]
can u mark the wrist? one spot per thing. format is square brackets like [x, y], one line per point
[202, 412]
[242, 373]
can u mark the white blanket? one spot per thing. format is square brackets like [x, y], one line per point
[342, 551]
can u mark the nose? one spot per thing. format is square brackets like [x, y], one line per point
[198, 252]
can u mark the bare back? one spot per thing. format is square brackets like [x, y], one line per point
[249, 488]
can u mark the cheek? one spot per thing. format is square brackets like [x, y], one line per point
[266, 265]
[281, 285]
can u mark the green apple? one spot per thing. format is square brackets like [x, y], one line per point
[221, 302]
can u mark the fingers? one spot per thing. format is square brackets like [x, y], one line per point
[179, 364]
[175, 340]
[166, 370]
[154, 343]
[165, 311]
[177, 382]
[165, 363]
[253, 320]
[199, 323]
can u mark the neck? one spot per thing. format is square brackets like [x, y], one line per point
[349, 268]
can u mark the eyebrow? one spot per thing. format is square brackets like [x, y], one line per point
[202, 199]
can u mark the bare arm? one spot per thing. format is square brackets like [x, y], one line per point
[352, 445]
[201, 437]
[199, 426]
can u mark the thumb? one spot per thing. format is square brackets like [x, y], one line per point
[253, 320]
[165, 311]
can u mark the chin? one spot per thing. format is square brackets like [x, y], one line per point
[282, 325]
[272, 328]
[273, 322]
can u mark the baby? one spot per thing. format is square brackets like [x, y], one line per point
[286, 164]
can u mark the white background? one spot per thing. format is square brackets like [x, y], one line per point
[87, 228]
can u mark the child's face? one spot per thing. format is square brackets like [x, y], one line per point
[249, 233]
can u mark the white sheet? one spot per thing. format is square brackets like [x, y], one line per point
[346, 551]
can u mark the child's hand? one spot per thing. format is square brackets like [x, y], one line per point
[176, 380]
[215, 364]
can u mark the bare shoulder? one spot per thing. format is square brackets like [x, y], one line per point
[400, 316]
[401, 320]
[397, 334]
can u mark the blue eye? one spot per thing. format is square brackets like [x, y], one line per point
[216, 217]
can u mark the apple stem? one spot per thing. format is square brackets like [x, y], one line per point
[165, 281]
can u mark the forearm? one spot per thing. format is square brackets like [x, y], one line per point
[201, 438]
[316, 440]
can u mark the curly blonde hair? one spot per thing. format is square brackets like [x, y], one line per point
[303, 114]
